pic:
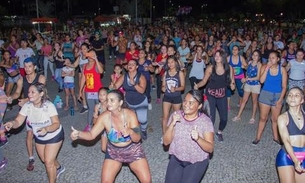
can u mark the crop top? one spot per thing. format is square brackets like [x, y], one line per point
[115, 136]
[292, 128]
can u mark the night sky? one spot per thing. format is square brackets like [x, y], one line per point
[80, 6]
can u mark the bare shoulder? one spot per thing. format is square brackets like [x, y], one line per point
[283, 118]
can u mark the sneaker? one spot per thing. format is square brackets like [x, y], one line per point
[3, 164]
[87, 128]
[60, 90]
[83, 110]
[3, 142]
[149, 106]
[30, 166]
[236, 119]
[255, 142]
[144, 135]
[158, 101]
[59, 171]
[219, 137]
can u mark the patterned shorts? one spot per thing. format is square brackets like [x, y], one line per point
[127, 154]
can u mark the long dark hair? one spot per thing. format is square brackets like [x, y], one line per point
[225, 64]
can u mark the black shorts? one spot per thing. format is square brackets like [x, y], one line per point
[173, 100]
[59, 137]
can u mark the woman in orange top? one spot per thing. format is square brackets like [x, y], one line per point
[91, 82]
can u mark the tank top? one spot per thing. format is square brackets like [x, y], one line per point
[12, 49]
[172, 81]
[292, 128]
[93, 79]
[290, 56]
[59, 64]
[26, 84]
[197, 70]
[217, 85]
[297, 70]
[132, 96]
[273, 83]
[115, 136]
[267, 52]
[238, 70]
[252, 72]
[68, 51]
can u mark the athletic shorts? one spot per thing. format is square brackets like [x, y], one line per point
[68, 85]
[127, 154]
[173, 100]
[59, 137]
[283, 159]
[268, 98]
[252, 88]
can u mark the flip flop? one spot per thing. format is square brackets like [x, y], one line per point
[252, 120]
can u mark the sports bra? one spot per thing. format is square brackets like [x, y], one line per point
[292, 128]
[115, 136]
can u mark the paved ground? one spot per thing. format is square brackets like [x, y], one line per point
[235, 160]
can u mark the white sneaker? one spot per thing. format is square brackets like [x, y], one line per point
[149, 106]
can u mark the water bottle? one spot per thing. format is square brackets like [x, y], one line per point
[72, 111]
[60, 104]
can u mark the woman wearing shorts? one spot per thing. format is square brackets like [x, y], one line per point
[274, 78]
[124, 139]
[173, 84]
[41, 115]
[252, 86]
[290, 159]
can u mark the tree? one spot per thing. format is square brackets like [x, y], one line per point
[45, 9]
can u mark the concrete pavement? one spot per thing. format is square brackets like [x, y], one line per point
[235, 160]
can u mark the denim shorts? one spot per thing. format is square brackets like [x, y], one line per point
[269, 98]
[68, 85]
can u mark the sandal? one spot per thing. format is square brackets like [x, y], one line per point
[66, 108]
[252, 120]
[235, 119]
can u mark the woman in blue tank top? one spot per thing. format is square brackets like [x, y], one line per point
[274, 78]
[252, 86]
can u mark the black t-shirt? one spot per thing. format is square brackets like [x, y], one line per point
[97, 44]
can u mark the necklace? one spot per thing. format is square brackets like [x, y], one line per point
[296, 115]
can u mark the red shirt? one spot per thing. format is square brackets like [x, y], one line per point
[129, 55]
[93, 79]
[159, 58]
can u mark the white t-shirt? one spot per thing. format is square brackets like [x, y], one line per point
[68, 79]
[40, 117]
[22, 54]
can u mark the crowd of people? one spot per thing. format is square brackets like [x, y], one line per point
[258, 61]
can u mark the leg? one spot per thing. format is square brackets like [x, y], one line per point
[243, 103]
[177, 107]
[45, 67]
[263, 117]
[221, 104]
[159, 85]
[174, 172]
[166, 107]
[73, 97]
[194, 172]
[109, 170]
[275, 112]
[254, 104]
[141, 169]
[212, 103]
[29, 142]
[67, 91]
[51, 66]
[286, 174]
[48, 154]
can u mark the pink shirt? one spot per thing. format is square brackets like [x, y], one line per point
[46, 49]
[183, 146]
